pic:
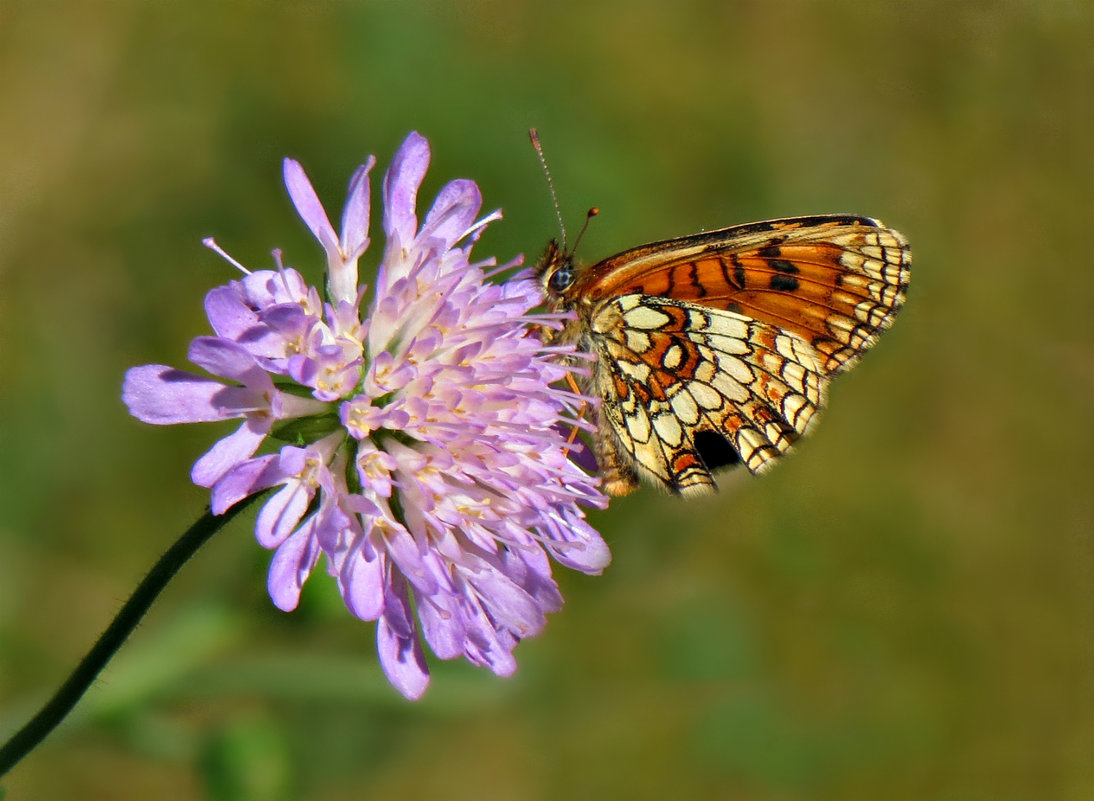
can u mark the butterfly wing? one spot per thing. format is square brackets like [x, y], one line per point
[687, 388]
[836, 281]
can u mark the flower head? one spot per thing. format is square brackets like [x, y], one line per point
[416, 448]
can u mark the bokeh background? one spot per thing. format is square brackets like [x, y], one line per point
[903, 610]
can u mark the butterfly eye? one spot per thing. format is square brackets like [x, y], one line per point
[561, 279]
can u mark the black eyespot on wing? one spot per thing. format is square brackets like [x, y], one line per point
[715, 451]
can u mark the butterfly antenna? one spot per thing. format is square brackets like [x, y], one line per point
[533, 134]
[588, 219]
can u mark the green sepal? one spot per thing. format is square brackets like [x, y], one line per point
[301, 431]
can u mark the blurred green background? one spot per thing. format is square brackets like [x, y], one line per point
[904, 610]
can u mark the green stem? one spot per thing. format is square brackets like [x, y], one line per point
[55, 710]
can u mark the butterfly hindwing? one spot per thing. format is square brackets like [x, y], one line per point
[687, 388]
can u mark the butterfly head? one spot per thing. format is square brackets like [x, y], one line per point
[557, 273]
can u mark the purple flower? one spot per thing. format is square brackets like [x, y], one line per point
[420, 450]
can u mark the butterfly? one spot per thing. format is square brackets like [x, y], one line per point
[717, 349]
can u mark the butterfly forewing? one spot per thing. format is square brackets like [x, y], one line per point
[717, 348]
[836, 281]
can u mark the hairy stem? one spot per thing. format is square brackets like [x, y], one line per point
[62, 702]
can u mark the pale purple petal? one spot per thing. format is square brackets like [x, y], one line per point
[308, 206]
[264, 288]
[489, 645]
[362, 583]
[579, 547]
[290, 567]
[229, 316]
[229, 452]
[401, 189]
[400, 652]
[453, 212]
[355, 216]
[333, 524]
[509, 605]
[226, 359]
[156, 393]
[281, 514]
[245, 479]
[404, 551]
[402, 661]
[443, 626]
